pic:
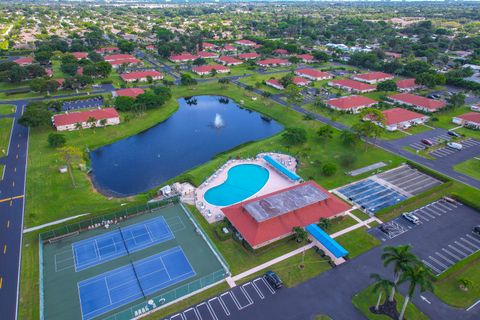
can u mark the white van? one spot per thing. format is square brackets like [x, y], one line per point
[475, 108]
[454, 145]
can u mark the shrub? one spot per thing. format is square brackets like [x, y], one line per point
[329, 169]
[56, 140]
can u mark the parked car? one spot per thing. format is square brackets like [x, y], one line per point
[476, 230]
[385, 228]
[475, 108]
[454, 134]
[411, 217]
[273, 280]
[427, 142]
[455, 145]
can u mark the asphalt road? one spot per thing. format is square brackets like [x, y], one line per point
[12, 202]
[331, 292]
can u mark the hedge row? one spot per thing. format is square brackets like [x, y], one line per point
[428, 171]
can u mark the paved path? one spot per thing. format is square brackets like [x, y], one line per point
[12, 202]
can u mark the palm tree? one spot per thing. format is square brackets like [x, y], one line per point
[324, 223]
[103, 122]
[402, 258]
[417, 276]
[300, 234]
[70, 154]
[92, 122]
[381, 286]
[78, 126]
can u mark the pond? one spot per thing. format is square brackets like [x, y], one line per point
[202, 127]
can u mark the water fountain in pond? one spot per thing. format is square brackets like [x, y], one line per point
[218, 122]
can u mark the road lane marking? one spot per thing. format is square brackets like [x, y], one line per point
[1, 282]
[12, 198]
[4, 249]
[8, 224]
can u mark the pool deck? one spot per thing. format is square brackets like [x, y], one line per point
[276, 181]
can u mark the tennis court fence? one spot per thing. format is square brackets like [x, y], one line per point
[99, 221]
[170, 296]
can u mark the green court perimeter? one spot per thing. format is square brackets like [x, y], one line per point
[59, 290]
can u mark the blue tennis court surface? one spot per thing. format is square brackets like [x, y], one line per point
[371, 195]
[118, 287]
[114, 244]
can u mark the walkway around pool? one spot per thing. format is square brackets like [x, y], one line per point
[276, 181]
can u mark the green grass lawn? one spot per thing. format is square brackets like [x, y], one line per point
[7, 109]
[357, 242]
[470, 168]
[361, 215]
[447, 286]
[443, 119]
[260, 78]
[291, 271]
[8, 85]
[367, 298]
[340, 223]
[5, 130]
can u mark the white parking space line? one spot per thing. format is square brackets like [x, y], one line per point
[463, 247]
[178, 316]
[224, 307]
[438, 262]
[472, 238]
[422, 216]
[475, 246]
[441, 205]
[194, 312]
[262, 279]
[459, 251]
[444, 258]
[434, 209]
[451, 254]
[214, 316]
[430, 266]
[425, 212]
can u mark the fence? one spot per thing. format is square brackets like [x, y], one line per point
[170, 296]
[101, 220]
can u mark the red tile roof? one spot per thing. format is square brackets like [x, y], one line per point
[79, 55]
[107, 49]
[140, 74]
[229, 60]
[209, 68]
[374, 76]
[350, 102]
[307, 57]
[357, 85]
[130, 92]
[274, 82]
[82, 116]
[114, 57]
[207, 45]
[123, 61]
[280, 51]
[470, 116]
[272, 61]
[406, 84]
[249, 55]
[257, 233]
[228, 47]
[206, 54]
[24, 60]
[418, 101]
[397, 115]
[300, 81]
[313, 73]
[246, 42]
[183, 57]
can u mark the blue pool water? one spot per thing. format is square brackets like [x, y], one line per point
[243, 181]
[185, 140]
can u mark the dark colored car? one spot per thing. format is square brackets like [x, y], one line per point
[273, 280]
[454, 134]
[427, 142]
[476, 230]
[385, 228]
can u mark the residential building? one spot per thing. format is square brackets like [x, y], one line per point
[128, 92]
[80, 55]
[229, 61]
[184, 57]
[208, 69]
[273, 63]
[246, 43]
[313, 74]
[301, 82]
[306, 58]
[248, 56]
[352, 85]
[373, 77]
[68, 121]
[407, 85]
[24, 61]
[141, 76]
[207, 55]
[418, 102]
[350, 103]
[398, 118]
[274, 83]
[468, 120]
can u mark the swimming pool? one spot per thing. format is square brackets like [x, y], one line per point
[243, 181]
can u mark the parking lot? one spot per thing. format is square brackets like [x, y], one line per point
[447, 151]
[232, 301]
[442, 237]
[409, 180]
[82, 104]
[418, 145]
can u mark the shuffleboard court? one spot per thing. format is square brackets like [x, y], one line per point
[120, 242]
[120, 286]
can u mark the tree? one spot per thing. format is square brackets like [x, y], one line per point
[429, 79]
[325, 132]
[348, 138]
[16, 74]
[401, 258]
[95, 56]
[56, 140]
[70, 154]
[388, 85]
[416, 276]
[35, 115]
[187, 80]
[199, 62]
[43, 57]
[464, 283]
[294, 136]
[69, 68]
[325, 223]
[126, 46]
[456, 100]
[91, 121]
[35, 71]
[224, 82]
[293, 93]
[103, 122]
[37, 85]
[299, 234]
[381, 286]
[286, 80]
[329, 169]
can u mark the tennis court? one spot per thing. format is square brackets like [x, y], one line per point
[115, 288]
[139, 263]
[120, 242]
